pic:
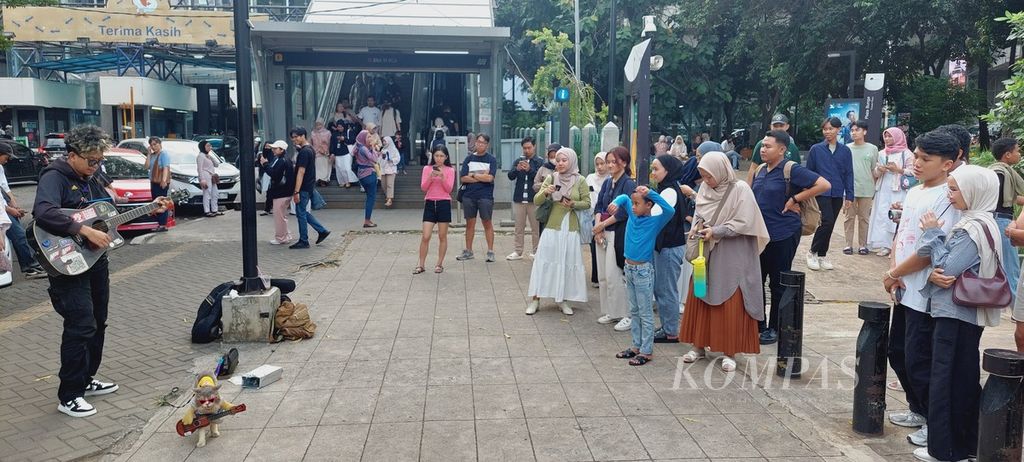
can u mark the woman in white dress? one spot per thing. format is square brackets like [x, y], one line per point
[594, 182]
[321, 141]
[558, 271]
[389, 160]
[206, 166]
[891, 186]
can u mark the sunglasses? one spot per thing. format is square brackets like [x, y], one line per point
[206, 401]
[92, 162]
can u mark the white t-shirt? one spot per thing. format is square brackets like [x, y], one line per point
[370, 115]
[391, 121]
[918, 201]
[3, 181]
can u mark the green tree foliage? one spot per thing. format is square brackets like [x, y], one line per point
[932, 101]
[1009, 110]
[555, 72]
[5, 43]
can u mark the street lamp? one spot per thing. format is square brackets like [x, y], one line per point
[853, 63]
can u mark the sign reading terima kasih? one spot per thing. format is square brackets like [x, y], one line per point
[131, 21]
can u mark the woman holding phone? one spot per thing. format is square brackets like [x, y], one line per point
[437, 183]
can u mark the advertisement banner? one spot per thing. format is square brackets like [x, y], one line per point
[874, 103]
[121, 21]
[848, 111]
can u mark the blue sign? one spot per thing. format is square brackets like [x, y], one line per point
[561, 95]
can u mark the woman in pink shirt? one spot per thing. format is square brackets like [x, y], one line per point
[437, 182]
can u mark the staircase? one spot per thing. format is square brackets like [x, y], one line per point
[407, 193]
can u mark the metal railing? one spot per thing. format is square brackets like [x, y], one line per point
[290, 10]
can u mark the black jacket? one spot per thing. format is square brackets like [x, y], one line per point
[61, 187]
[282, 178]
[524, 180]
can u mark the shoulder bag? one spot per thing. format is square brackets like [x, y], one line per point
[693, 247]
[973, 291]
[585, 217]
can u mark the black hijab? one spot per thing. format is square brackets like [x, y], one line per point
[674, 169]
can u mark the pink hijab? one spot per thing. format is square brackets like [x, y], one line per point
[899, 141]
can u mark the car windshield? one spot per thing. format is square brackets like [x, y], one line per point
[119, 168]
[55, 142]
[184, 153]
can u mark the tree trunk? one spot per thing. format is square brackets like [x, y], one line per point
[983, 138]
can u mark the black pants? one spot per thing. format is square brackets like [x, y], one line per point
[82, 301]
[268, 205]
[157, 191]
[955, 390]
[776, 257]
[897, 355]
[830, 208]
[593, 262]
[917, 356]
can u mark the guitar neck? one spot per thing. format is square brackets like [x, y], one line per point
[130, 215]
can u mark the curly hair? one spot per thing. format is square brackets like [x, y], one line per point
[87, 139]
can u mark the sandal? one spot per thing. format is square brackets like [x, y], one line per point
[692, 356]
[626, 354]
[369, 225]
[728, 364]
[640, 360]
[418, 270]
[438, 269]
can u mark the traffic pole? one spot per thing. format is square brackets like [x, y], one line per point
[251, 281]
[1001, 409]
[791, 325]
[869, 392]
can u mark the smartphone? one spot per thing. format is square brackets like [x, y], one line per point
[558, 187]
[437, 168]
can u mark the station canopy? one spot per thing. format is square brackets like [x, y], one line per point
[114, 61]
[460, 13]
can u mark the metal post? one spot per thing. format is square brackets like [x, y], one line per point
[791, 325]
[243, 63]
[1001, 407]
[869, 392]
[853, 73]
[611, 64]
[563, 126]
[576, 17]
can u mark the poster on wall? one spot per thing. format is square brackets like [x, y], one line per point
[848, 111]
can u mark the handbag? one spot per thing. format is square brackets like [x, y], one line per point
[693, 247]
[973, 291]
[458, 195]
[586, 221]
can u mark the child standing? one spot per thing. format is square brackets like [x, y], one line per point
[642, 230]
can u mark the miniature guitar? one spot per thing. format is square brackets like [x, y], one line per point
[74, 255]
[205, 420]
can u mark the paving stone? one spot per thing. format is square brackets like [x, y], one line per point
[492, 371]
[717, 436]
[337, 443]
[526, 345]
[450, 440]
[449, 402]
[449, 347]
[450, 371]
[360, 374]
[389, 442]
[611, 438]
[411, 348]
[488, 346]
[591, 399]
[232, 445]
[165, 447]
[276, 444]
[350, 405]
[503, 440]
[665, 438]
[400, 404]
[301, 408]
[407, 372]
[497, 402]
[544, 400]
[637, 399]
[558, 440]
[574, 369]
[530, 369]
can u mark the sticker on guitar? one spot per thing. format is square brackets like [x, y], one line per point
[75, 262]
[84, 214]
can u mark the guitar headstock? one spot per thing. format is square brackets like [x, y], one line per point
[178, 196]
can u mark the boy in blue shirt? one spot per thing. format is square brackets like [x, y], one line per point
[645, 222]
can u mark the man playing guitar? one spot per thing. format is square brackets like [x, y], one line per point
[82, 299]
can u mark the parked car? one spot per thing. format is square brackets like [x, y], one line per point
[25, 165]
[184, 174]
[7, 277]
[225, 146]
[130, 179]
[53, 146]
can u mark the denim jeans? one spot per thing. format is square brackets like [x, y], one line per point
[734, 159]
[640, 294]
[369, 183]
[1011, 263]
[16, 233]
[305, 216]
[668, 263]
[157, 191]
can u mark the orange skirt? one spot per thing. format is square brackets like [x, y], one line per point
[725, 328]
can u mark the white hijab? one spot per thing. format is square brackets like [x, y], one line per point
[391, 152]
[980, 189]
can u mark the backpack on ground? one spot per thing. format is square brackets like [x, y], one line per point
[208, 326]
[810, 213]
[292, 321]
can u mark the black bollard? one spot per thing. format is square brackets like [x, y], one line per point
[1002, 407]
[791, 325]
[872, 364]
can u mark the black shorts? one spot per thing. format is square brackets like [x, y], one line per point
[437, 211]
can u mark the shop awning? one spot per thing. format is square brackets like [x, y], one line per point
[115, 61]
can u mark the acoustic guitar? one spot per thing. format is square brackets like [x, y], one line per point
[74, 255]
[205, 420]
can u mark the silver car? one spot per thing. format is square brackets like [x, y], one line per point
[184, 174]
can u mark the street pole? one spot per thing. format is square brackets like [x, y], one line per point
[611, 65]
[576, 17]
[243, 75]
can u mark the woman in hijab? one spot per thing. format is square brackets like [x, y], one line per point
[365, 159]
[661, 147]
[670, 246]
[954, 389]
[728, 220]
[558, 270]
[389, 160]
[678, 149]
[594, 182]
[609, 234]
[895, 163]
[206, 164]
[321, 141]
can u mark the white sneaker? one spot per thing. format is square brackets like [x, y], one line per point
[77, 407]
[566, 309]
[922, 454]
[884, 252]
[607, 319]
[826, 264]
[277, 242]
[514, 256]
[624, 324]
[533, 306]
[96, 388]
[908, 419]
[531, 255]
[920, 437]
[813, 262]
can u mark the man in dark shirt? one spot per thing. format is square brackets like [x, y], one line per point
[477, 175]
[81, 300]
[522, 198]
[305, 186]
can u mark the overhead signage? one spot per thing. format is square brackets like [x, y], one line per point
[380, 60]
[561, 95]
[123, 21]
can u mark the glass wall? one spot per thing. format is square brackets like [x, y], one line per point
[28, 126]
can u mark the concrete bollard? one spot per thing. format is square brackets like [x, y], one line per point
[250, 317]
[791, 325]
[869, 392]
[1001, 409]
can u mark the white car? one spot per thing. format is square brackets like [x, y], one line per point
[6, 277]
[184, 173]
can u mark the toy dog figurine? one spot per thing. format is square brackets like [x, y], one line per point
[206, 407]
